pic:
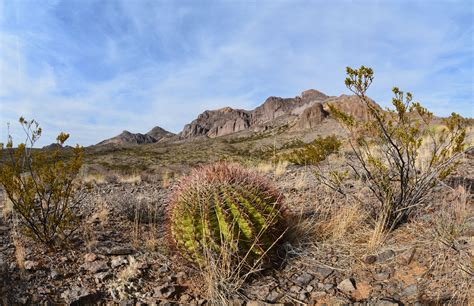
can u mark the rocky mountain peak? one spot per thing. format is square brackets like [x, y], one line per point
[128, 138]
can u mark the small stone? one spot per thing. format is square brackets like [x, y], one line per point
[90, 257]
[120, 250]
[370, 259]
[96, 266]
[410, 290]
[303, 296]
[323, 272]
[295, 289]
[185, 298]
[31, 265]
[102, 276]
[382, 276]
[317, 295]
[181, 275]
[273, 296]
[55, 275]
[347, 285]
[304, 279]
[385, 255]
[118, 261]
[79, 296]
[163, 269]
[164, 291]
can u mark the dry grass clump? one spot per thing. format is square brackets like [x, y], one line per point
[454, 216]
[129, 178]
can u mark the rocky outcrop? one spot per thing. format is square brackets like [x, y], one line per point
[352, 105]
[311, 117]
[216, 123]
[127, 138]
[227, 120]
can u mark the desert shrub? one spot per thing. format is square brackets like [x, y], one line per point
[314, 152]
[386, 151]
[41, 185]
[226, 220]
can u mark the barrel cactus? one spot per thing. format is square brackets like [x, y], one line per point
[225, 208]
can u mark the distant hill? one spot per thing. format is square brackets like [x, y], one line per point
[127, 138]
[306, 111]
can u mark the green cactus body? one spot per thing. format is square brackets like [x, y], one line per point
[225, 206]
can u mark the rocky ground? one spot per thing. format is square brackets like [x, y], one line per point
[121, 253]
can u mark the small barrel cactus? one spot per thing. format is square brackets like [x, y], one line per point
[225, 208]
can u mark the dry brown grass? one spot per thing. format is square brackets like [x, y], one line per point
[19, 251]
[451, 220]
[264, 167]
[96, 178]
[7, 208]
[129, 178]
[280, 168]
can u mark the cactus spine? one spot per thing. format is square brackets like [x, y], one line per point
[225, 206]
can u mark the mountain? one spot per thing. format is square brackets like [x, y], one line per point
[275, 111]
[217, 123]
[304, 112]
[127, 138]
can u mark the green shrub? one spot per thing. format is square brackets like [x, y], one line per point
[396, 152]
[227, 211]
[41, 185]
[314, 152]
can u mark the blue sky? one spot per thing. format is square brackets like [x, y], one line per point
[95, 68]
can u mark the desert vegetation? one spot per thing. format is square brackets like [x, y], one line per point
[380, 212]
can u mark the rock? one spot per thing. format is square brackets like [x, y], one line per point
[385, 256]
[347, 285]
[55, 275]
[309, 288]
[323, 272]
[295, 289]
[370, 259]
[216, 123]
[164, 291]
[80, 296]
[89, 257]
[120, 250]
[163, 269]
[102, 276]
[311, 117]
[382, 276]
[304, 279]
[96, 266]
[118, 261]
[273, 296]
[31, 265]
[303, 296]
[410, 291]
[387, 302]
[317, 295]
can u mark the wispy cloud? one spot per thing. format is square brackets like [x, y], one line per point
[95, 68]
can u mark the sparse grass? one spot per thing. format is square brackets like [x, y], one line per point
[96, 178]
[19, 251]
[129, 179]
[130, 272]
[280, 168]
[452, 219]
[7, 209]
